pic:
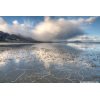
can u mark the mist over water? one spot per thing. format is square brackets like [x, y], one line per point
[50, 62]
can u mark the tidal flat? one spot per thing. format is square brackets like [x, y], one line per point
[50, 63]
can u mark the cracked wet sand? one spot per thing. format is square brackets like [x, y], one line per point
[50, 63]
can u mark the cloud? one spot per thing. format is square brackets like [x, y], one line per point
[3, 25]
[22, 29]
[81, 20]
[15, 22]
[61, 28]
[48, 29]
[91, 19]
[16, 28]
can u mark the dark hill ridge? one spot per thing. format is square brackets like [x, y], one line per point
[12, 38]
[6, 37]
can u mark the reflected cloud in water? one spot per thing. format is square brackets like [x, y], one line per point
[49, 62]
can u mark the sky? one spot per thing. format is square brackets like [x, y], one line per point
[53, 27]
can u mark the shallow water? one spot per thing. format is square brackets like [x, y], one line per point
[50, 62]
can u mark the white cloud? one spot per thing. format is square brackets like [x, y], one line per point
[56, 29]
[3, 25]
[49, 29]
[2, 21]
[83, 20]
[20, 29]
[91, 19]
[60, 28]
[15, 22]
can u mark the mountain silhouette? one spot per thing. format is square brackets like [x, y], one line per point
[6, 37]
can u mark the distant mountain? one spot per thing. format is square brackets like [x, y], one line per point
[85, 39]
[12, 38]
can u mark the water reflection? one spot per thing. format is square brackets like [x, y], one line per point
[50, 62]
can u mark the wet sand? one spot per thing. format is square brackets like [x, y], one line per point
[50, 63]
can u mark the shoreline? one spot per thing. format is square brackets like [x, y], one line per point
[4, 43]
